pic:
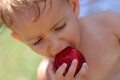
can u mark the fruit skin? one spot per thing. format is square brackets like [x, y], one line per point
[66, 56]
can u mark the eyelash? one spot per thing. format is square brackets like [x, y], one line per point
[61, 27]
[38, 41]
[57, 29]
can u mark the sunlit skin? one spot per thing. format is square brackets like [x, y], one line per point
[59, 27]
[50, 28]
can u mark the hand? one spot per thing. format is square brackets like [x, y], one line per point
[42, 72]
[58, 75]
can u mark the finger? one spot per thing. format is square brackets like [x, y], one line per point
[50, 70]
[72, 69]
[83, 72]
[60, 71]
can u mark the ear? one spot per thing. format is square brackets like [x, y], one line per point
[75, 6]
[15, 36]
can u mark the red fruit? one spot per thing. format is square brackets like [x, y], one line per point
[66, 56]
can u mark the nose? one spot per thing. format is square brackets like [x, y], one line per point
[54, 44]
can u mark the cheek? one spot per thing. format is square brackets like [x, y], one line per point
[38, 50]
[72, 35]
[73, 31]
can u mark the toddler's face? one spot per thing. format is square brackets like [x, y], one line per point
[56, 29]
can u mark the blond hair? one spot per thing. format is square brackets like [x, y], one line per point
[9, 7]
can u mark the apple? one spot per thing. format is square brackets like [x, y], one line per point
[67, 56]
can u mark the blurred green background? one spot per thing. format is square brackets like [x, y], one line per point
[17, 61]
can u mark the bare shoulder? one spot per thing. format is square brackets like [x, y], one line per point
[105, 16]
[105, 19]
[111, 20]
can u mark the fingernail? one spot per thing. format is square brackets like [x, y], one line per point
[64, 64]
[85, 65]
[75, 61]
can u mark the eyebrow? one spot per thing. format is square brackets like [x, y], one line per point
[31, 39]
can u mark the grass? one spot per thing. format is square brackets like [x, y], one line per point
[17, 61]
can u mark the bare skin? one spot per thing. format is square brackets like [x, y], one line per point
[100, 34]
[100, 44]
[51, 33]
[97, 37]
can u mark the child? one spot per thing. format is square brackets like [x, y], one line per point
[35, 23]
[49, 26]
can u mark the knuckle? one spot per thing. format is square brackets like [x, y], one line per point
[57, 73]
[71, 73]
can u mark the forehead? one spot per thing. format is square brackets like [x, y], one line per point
[24, 19]
[30, 13]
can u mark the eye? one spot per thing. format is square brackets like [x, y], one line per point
[61, 27]
[38, 41]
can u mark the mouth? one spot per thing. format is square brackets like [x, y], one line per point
[65, 48]
[67, 55]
